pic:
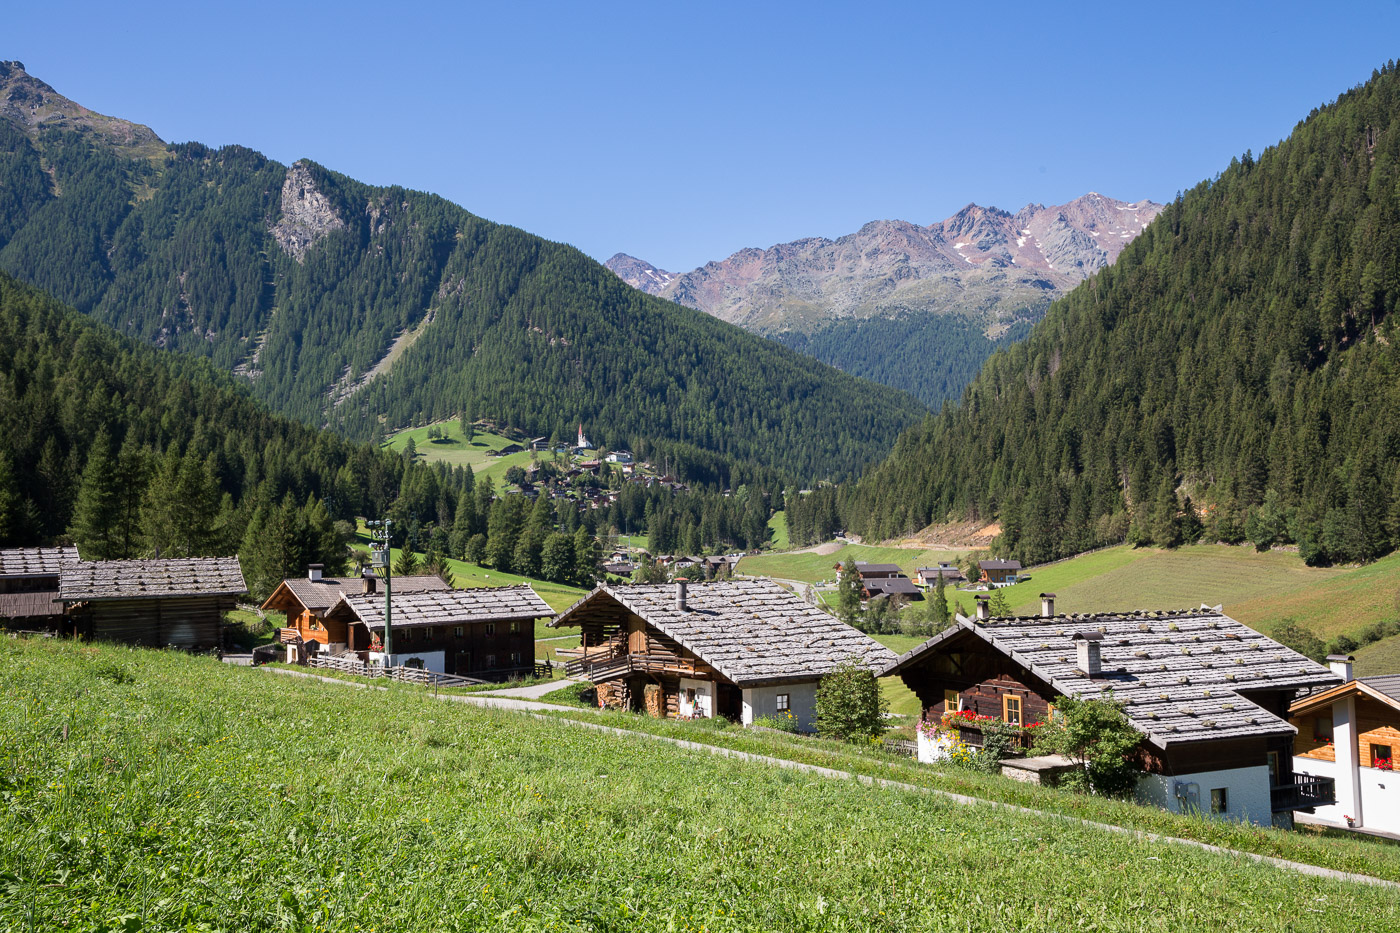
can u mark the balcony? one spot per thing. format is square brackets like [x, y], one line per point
[1304, 793]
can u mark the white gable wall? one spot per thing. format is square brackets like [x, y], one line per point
[802, 700]
[1247, 793]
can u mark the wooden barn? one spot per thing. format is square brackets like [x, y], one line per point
[177, 602]
[29, 588]
[486, 632]
[739, 649]
[306, 600]
[1209, 695]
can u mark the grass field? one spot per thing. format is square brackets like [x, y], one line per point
[130, 801]
[778, 540]
[901, 699]
[810, 567]
[455, 449]
[548, 650]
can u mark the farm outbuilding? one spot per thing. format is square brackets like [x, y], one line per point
[29, 588]
[179, 602]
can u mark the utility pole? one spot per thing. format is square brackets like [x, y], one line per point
[382, 537]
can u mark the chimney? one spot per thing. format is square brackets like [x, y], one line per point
[1087, 645]
[680, 596]
[369, 582]
[1341, 665]
[983, 609]
[1047, 604]
[313, 572]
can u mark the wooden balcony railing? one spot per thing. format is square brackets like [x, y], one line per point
[1306, 791]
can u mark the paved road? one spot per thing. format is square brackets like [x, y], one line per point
[530, 693]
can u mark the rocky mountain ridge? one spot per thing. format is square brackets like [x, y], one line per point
[983, 263]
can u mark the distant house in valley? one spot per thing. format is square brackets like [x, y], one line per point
[878, 580]
[509, 449]
[29, 587]
[539, 443]
[1210, 696]
[485, 632]
[158, 602]
[1000, 572]
[738, 649]
[928, 576]
[1351, 734]
[619, 456]
[306, 600]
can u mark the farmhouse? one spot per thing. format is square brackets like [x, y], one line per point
[928, 576]
[1351, 734]
[179, 602]
[999, 572]
[487, 632]
[1209, 695]
[739, 649]
[29, 587]
[885, 580]
[305, 601]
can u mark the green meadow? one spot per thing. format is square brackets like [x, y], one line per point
[454, 448]
[147, 790]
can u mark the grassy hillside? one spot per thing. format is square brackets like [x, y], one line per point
[454, 448]
[133, 802]
[901, 699]
[810, 567]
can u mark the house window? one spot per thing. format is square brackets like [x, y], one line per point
[1380, 757]
[1322, 729]
[1219, 800]
[951, 701]
[784, 702]
[490, 629]
[490, 662]
[457, 631]
[1011, 709]
[514, 627]
[1273, 769]
[515, 657]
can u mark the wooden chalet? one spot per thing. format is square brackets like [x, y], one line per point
[739, 649]
[485, 632]
[1000, 572]
[177, 602]
[306, 600]
[1351, 734]
[929, 576]
[1209, 695]
[29, 588]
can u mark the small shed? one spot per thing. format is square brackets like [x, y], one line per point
[178, 602]
[29, 587]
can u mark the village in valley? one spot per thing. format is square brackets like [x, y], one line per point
[371, 563]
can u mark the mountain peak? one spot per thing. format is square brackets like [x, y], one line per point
[30, 104]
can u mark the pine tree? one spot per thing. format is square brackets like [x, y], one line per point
[10, 502]
[407, 565]
[848, 594]
[97, 513]
[938, 607]
[586, 557]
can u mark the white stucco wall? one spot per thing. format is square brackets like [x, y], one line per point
[1247, 793]
[704, 706]
[1380, 795]
[435, 661]
[802, 699]
[935, 748]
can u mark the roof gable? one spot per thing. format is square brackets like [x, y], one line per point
[1179, 674]
[320, 595]
[751, 631]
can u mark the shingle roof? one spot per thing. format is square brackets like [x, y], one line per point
[999, 564]
[319, 595]
[894, 586]
[448, 607]
[751, 631]
[1179, 673]
[29, 605]
[35, 561]
[142, 579]
[1388, 684]
[863, 567]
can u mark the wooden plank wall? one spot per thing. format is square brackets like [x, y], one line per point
[189, 622]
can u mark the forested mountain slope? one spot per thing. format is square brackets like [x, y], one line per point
[1237, 367]
[359, 307]
[130, 450]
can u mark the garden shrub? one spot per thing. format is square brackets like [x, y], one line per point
[849, 704]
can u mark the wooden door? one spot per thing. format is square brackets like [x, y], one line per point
[636, 636]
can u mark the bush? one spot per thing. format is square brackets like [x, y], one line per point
[849, 704]
[782, 722]
[1097, 735]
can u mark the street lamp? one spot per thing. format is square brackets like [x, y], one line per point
[381, 536]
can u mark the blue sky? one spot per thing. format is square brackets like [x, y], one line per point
[682, 133]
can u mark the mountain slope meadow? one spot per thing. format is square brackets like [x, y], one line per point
[368, 308]
[130, 801]
[1235, 375]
